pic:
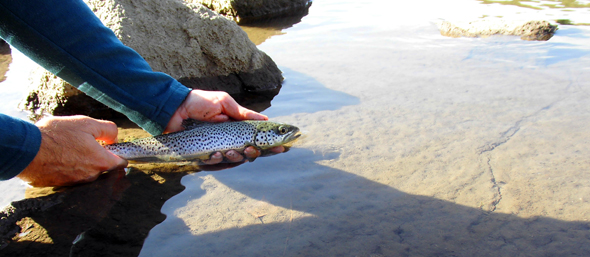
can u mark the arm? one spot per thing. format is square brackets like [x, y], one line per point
[19, 143]
[67, 39]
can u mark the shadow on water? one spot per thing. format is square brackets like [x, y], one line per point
[561, 52]
[114, 214]
[573, 32]
[354, 216]
[350, 216]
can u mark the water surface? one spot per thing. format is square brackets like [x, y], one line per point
[432, 145]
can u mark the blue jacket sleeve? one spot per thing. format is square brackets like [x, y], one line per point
[19, 143]
[67, 39]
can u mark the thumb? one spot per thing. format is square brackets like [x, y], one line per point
[238, 112]
[110, 161]
[104, 130]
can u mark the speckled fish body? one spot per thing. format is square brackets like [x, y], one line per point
[205, 139]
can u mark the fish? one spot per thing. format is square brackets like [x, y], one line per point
[200, 140]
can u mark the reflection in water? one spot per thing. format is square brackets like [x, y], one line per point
[110, 216]
[343, 214]
[260, 31]
[565, 49]
[565, 12]
[299, 94]
[559, 4]
[303, 94]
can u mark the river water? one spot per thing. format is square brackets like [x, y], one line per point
[414, 144]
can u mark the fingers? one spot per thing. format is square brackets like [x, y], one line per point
[104, 130]
[99, 129]
[236, 111]
[69, 153]
[111, 161]
[278, 149]
[251, 152]
[175, 124]
[233, 156]
[215, 159]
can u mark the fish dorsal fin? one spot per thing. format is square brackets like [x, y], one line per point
[192, 123]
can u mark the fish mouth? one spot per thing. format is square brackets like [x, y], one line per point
[295, 135]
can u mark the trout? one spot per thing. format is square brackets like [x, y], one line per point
[203, 139]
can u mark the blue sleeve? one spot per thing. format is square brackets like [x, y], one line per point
[19, 144]
[67, 39]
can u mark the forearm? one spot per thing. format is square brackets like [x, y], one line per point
[67, 39]
[19, 144]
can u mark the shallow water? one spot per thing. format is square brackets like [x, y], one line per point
[432, 145]
[415, 143]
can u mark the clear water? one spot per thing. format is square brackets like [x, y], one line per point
[415, 144]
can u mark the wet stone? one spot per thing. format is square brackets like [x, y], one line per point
[527, 30]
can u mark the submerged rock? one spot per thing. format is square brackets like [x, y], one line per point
[193, 44]
[244, 11]
[527, 30]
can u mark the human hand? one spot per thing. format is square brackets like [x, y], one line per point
[210, 106]
[216, 106]
[69, 152]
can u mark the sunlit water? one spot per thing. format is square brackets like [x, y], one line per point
[415, 143]
[428, 146]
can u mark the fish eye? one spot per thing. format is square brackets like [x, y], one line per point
[282, 130]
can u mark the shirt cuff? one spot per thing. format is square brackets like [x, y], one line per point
[19, 143]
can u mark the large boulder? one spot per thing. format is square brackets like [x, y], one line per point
[527, 30]
[245, 11]
[193, 44]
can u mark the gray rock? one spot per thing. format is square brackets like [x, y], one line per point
[527, 30]
[244, 11]
[193, 44]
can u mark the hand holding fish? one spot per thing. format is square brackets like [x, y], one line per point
[216, 106]
[69, 153]
[210, 106]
